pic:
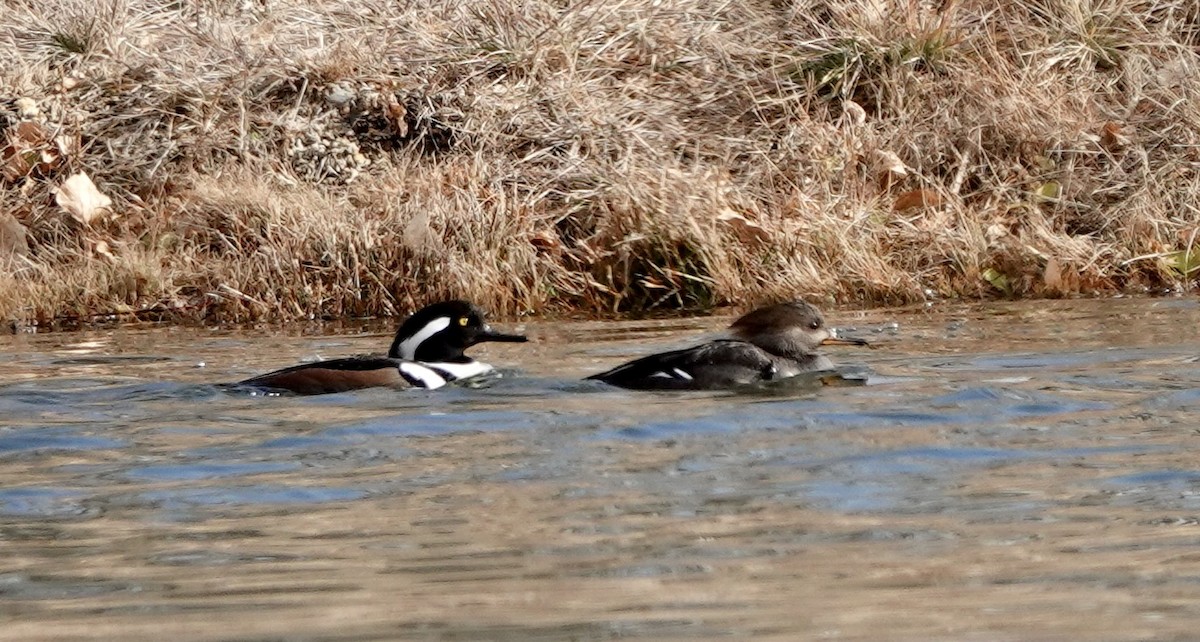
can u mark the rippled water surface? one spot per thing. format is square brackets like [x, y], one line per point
[1010, 472]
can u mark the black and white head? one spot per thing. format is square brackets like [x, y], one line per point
[439, 333]
[788, 329]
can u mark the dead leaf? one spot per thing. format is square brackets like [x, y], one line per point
[29, 133]
[1050, 190]
[1052, 275]
[889, 169]
[1187, 235]
[15, 165]
[31, 147]
[546, 241]
[854, 113]
[100, 248]
[397, 116]
[916, 198]
[66, 144]
[81, 199]
[20, 153]
[995, 232]
[887, 162]
[998, 280]
[746, 230]
[1112, 138]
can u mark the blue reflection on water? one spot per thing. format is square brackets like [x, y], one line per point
[53, 438]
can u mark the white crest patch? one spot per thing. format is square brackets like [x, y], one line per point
[423, 376]
[408, 347]
[455, 371]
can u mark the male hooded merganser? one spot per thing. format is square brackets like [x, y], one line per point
[426, 353]
[774, 342]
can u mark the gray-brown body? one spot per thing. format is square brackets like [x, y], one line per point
[774, 342]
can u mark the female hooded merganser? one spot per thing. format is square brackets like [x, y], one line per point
[426, 353]
[774, 342]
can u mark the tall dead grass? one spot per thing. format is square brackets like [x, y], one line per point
[294, 158]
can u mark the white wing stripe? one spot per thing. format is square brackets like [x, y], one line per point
[675, 373]
[421, 376]
[454, 371]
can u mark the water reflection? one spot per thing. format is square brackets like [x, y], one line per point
[1010, 471]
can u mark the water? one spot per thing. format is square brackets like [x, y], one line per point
[1011, 472]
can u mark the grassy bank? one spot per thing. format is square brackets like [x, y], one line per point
[287, 158]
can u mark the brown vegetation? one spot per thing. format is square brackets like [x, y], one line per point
[288, 158]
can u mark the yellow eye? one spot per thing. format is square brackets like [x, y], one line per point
[463, 321]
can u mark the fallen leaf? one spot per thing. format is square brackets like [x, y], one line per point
[996, 231]
[66, 144]
[1050, 190]
[397, 116]
[916, 198]
[854, 112]
[1185, 262]
[746, 230]
[889, 162]
[1112, 138]
[81, 199]
[998, 280]
[29, 133]
[101, 249]
[15, 165]
[30, 147]
[1052, 275]
[21, 149]
[1188, 233]
[546, 241]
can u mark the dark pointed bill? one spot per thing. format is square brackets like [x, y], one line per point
[488, 334]
[835, 340]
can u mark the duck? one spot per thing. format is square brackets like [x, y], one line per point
[767, 344]
[427, 352]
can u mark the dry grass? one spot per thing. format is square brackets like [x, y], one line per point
[292, 158]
